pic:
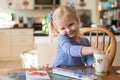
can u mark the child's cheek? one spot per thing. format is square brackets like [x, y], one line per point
[62, 33]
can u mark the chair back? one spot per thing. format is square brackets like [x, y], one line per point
[102, 38]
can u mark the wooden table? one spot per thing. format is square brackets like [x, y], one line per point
[112, 75]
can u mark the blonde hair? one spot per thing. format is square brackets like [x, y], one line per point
[58, 13]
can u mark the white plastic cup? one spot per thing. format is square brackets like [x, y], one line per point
[100, 63]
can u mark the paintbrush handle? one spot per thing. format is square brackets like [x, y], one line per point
[108, 50]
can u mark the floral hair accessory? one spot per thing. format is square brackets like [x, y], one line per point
[50, 16]
[71, 5]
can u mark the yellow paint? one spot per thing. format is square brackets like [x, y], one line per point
[108, 50]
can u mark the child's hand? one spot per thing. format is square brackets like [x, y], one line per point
[99, 51]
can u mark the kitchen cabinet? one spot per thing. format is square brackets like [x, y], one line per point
[15, 41]
[3, 4]
[5, 43]
[22, 40]
[16, 4]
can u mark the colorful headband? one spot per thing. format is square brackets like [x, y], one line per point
[71, 5]
[50, 15]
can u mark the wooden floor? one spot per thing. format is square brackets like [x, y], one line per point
[10, 64]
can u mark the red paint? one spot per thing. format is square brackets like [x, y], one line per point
[37, 73]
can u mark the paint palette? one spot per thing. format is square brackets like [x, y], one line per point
[37, 75]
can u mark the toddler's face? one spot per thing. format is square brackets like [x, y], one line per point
[67, 26]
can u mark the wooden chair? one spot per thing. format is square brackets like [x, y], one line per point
[101, 38]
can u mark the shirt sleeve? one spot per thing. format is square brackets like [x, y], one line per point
[68, 48]
[89, 60]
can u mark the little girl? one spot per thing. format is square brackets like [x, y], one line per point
[72, 50]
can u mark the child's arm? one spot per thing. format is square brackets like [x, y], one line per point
[74, 50]
[89, 50]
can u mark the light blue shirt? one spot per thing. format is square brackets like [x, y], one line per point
[68, 53]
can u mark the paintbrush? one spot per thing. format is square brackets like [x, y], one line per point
[108, 50]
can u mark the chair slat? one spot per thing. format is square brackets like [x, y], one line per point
[90, 37]
[108, 43]
[103, 42]
[96, 42]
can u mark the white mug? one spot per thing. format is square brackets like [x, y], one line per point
[100, 63]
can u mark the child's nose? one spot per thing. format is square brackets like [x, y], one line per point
[68, 30]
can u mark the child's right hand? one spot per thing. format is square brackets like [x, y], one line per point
[99, 51]
[90, 50]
